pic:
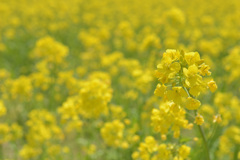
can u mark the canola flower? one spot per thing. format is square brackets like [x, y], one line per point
[150, 149]
[169, 115]
[42, 132]
[112, 133]
[182, 80]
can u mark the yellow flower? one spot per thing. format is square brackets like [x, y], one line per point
[50, 50]
[151, 143]
[28, 152]
[3, 110]
[163, 137]
[166, 71]
[184, 151]
[176, 94]
[204, 70]
[197, 89]
[94, 98]
[217, 119]
[112, 133]
[4, 133]
[160, 90]
[171, 54]
[192, 57]
[150, 41]
[169, 115]
[199, 119]
[16, 131]
[163, 152]
[135, 155]
[117, 112]
[91, 149]
[145, 149]
[192, 76]
[192, 104]
[212, 86]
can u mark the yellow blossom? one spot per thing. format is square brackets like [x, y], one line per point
[212, 85]
[184, 151]
[192, 104]
[160, 90]
[3, 110]
[199, 119]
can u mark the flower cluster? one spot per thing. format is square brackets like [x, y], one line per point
[112, 133]
[94, 98]
[42, 132]
[180, 71]
[229, 142]
[151, 150]
[182, 77]
[50, 50]
[20, 88]
[11, 132]
[232, 64]
[169, 115]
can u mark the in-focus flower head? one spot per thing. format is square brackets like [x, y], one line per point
[182, 76]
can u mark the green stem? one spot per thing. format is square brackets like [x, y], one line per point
[210, 139]
[200, 130]
[199, 126]
[235, 155]
[203, 138]
[1, 151]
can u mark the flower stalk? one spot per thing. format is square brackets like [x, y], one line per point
[203, 138]
[201, 131]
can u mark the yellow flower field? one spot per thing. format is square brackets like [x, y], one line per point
[119, 80]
